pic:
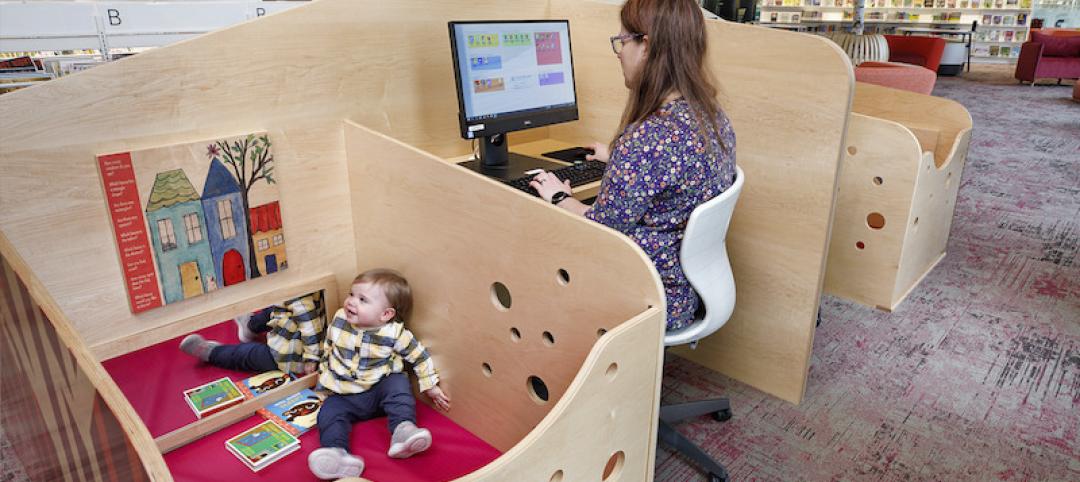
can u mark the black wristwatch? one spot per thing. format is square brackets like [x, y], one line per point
[559, 196]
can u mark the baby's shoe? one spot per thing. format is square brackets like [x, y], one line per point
[334, 463]
[408, 440]
[198, 347]
[242, 330]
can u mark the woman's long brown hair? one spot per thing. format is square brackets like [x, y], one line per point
[675, 62]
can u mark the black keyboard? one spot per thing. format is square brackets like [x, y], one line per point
[580, 173]
[572, 154]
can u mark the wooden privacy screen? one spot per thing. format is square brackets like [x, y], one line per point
[387, 66]
[64, 417]
[905, 153]
[788, 96]
[454, 234]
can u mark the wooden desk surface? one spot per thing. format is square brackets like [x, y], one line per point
[535, 149]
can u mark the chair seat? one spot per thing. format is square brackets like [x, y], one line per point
[897, 75]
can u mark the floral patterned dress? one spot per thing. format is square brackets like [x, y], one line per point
[660, 170]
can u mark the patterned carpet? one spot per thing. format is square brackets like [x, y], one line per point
[977, 375]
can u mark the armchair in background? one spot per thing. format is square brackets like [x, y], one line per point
[916, 50]
[1048, 56]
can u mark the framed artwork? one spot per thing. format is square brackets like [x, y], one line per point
[193, 218]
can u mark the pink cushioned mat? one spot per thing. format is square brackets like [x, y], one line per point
[154, 378]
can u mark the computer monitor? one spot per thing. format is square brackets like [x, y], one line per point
[511, 75]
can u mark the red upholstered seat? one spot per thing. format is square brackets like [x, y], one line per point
[154, 378]
[916, 50]
[897, 75]
[1048, 56]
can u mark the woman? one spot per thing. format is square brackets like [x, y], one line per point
[675, 148]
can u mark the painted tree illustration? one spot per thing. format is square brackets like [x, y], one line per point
[251, 162]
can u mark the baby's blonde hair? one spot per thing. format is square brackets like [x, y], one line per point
[394, 286]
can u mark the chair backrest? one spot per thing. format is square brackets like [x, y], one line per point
[705, 261]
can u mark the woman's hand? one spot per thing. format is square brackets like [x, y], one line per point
[602, 152]
[441, 399]
[547, 184]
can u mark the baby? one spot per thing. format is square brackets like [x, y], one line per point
[363, 367]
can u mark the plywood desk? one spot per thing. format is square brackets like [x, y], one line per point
[536, 149]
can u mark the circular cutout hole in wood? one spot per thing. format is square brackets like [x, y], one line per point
[612, 370]
[515, 334]
[600, 332]
[875, 220]
[549, 339]
[878, 181]
[486, 369]
[860, 245]
[614, 466]
[538, 390]
[852, 150]
[563, 277]
[557, 476]
[500, 296]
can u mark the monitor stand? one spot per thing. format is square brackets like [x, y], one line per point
[498, 162]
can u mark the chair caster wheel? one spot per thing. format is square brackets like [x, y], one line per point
[717, 478]
[722, 415]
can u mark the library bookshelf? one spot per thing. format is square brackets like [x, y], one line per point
[1000, 26]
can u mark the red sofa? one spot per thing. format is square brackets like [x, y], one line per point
[916, 50]
[1048, 56]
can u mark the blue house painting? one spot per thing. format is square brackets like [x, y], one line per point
[223, 205]
[175, 217]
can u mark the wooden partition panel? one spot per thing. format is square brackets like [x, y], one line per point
[919, 112]
[64, 417]
[864, 263]
[788, 96]
[294, 75]
[455, 234]
[898, 191]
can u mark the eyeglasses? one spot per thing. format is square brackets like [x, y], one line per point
[617, 41]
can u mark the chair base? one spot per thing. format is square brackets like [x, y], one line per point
[720, 408]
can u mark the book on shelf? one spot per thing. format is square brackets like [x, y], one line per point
[1005, 51]
[256, 385]
[1008, 20]
[980, 51]
[1021, 19]
[213, 397]
[987, 18]
[296, 413]
[262, 445]
[994, 49]
[997, 19]
[1007, 36]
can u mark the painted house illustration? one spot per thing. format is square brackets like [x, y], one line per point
[223, 206]
[268, 238]
[175, 217]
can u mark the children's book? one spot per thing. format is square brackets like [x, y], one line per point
[256, 385]
[295, 413]
[262, 445]
[213, 397]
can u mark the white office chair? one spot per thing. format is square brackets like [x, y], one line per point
[705, 262]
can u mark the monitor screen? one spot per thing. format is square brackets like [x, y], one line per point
[512, 75]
